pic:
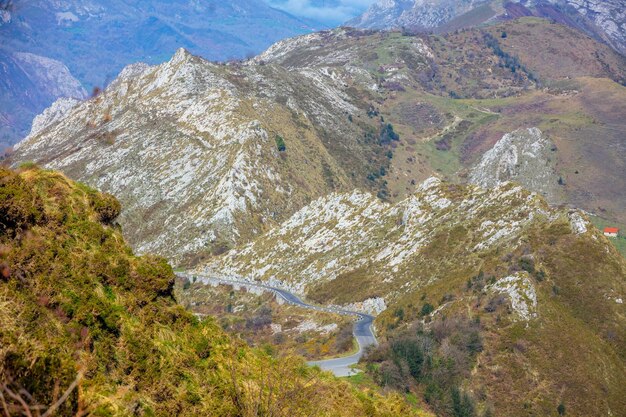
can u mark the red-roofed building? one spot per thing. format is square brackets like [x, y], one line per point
[611, 231]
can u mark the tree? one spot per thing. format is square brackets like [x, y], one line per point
[387, 134]
[462, 404]
[561, 409]
[427, 309]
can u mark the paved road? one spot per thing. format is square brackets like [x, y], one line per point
[362, 326]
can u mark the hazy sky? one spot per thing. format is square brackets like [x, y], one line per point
[331, 12]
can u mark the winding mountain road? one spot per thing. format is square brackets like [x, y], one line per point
[362, 329]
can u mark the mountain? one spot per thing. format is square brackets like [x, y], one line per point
[489, 288]
[205, 156]
[95, 39]
[388, 14]
[194, 150]
[28, 84]
[88, 328]
[604, 20]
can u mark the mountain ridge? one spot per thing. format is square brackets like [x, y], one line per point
[107, 35]
[604, 20]
[501, 258]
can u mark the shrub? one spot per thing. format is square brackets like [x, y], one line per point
[527, 263]
[280, 143]
[427, 309]
[261, 319]
[387, 134]
[20, 208]
[344, 340]
[106, 207]
[153, 277]
[462, 404]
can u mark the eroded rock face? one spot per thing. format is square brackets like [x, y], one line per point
[51, 76]
[608, 17]
[52, 114]
[521, 292]
[28, 84]
[525, 156]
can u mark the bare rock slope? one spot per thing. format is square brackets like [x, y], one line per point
[524, 156]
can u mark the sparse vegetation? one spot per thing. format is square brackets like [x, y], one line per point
[507, 60]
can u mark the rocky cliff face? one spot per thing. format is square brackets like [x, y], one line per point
[419, 14]
[526, 157]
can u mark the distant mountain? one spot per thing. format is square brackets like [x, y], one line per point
[95, 39]
[605, 20]
[423, 14]
[28, 84]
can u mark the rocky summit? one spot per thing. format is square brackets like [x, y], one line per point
[194, 152]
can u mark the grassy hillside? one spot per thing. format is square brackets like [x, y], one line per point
[88, 328]
[619, 241]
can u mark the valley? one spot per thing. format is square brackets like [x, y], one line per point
[353, 222]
